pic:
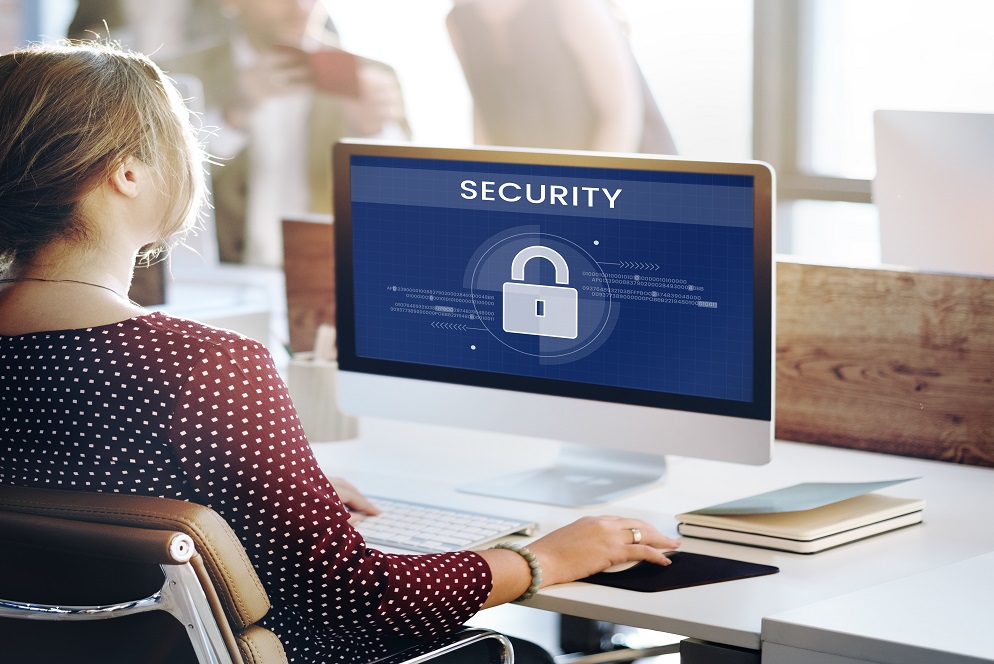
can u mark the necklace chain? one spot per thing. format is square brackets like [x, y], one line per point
[63, 281]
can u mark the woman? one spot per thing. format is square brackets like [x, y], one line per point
[100, 165]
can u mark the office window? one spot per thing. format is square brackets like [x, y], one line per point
[823, 67]
[896, 54]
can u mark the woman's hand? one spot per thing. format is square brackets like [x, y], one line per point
[594, 543]
[352, 498]
[586, 546]
[277, 72]
[379, 103]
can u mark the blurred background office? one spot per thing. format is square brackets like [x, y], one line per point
[794, 83]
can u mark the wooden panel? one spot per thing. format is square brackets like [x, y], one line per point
[886, 361]
[309, 264]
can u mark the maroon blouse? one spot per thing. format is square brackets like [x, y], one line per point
[162, 406]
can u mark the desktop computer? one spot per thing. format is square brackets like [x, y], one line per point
[620, 304]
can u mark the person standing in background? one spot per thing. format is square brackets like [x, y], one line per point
[273, 128]
[554, 74]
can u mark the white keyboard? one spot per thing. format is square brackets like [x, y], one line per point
[431, 529]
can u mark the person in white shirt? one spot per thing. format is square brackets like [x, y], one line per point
[271, 128]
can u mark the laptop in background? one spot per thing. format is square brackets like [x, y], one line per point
[934, 189]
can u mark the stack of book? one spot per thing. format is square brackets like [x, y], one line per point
[805, 518]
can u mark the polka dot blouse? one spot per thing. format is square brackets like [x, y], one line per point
[161, 406]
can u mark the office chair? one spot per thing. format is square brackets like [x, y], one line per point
[122, 578]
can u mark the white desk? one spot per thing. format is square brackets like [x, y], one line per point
[427, 463]
[894, 622]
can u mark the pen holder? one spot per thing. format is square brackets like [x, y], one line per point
[312, 384]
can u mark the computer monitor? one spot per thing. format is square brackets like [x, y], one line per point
[934, 190]
[620, 304]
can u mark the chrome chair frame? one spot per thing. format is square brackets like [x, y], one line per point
[117, 526]
[180, 596]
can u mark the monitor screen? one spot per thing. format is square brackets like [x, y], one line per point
[540, 288]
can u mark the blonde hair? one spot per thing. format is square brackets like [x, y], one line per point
[69, 115]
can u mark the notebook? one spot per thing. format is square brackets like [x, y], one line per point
[768, 520]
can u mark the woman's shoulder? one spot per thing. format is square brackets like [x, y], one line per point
[174, 339]
[195, 332]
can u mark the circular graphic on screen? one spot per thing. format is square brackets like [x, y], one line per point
[552, 299]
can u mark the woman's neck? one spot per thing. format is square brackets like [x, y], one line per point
[108, 262]
[67, 286]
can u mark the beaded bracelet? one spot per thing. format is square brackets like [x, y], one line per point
[533, 565]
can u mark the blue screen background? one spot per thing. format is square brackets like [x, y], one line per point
[417, 246]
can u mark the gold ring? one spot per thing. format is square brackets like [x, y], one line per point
[636, 535]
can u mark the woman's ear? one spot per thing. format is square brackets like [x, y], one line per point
[125, 177]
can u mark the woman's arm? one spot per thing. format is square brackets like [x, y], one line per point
[239, 442]
[585, 547]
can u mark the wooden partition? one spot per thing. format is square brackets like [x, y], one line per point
[309, 264]
[887, 361]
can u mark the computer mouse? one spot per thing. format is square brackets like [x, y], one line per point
[621, 567]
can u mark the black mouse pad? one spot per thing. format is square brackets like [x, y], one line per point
[686, 570]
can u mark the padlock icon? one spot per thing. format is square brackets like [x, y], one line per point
[545, 311]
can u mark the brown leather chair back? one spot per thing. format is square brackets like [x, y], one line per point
[75, 548]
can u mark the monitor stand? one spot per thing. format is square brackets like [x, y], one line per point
[582, 475]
